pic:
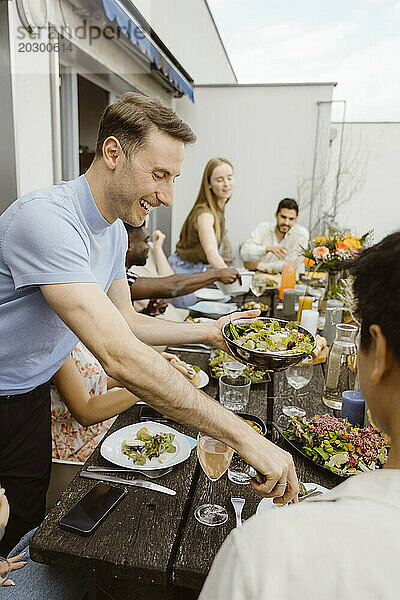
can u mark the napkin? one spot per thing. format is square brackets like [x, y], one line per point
[192, 441]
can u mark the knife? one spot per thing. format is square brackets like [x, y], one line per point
[195, 350]
[135, 482]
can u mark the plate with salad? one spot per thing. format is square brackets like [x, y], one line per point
[336, 445]
[305, 489]
[145, 446]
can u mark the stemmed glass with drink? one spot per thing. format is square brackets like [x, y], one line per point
[258, 285]
[214, 457]
[298, 376]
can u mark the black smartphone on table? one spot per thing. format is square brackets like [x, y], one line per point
[89, 512]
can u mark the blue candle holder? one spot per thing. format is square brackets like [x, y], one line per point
[353, 407]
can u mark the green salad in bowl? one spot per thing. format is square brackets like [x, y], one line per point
[270, 344]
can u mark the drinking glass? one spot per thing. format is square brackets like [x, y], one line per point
[298, 377]
[232, 367]
[5, 568]
[214, 457]
[234, 391]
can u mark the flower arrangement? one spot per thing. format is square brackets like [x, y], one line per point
[330, 253]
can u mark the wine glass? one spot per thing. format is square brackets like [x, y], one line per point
[298, 376]
[5, 568]
[258, 285]
[214, 457]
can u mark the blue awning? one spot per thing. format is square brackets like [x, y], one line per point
[116, 11]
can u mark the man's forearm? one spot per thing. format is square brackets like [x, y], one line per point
[171, 286]
[166, 332]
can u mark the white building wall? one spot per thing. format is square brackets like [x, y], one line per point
[32, 110]
[371, 188]
[187, 29]
[268, 133]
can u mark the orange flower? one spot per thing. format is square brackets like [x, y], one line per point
[309, 262]
[352, 242]
[342, 246]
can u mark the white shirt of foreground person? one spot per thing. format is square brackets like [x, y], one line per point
[341, 546]
[264, 236]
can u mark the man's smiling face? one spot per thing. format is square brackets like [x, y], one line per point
[145, 180]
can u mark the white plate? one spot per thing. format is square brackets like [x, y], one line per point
[203, 320]
[204, 379]
[111, 447]
[213, 308]
[267, 503]
[211, 294]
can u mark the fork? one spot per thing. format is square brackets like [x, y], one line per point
[238, 504]
[153, 474]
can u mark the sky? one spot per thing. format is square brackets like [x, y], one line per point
[355, 43]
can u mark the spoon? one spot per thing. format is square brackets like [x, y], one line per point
[238, 504]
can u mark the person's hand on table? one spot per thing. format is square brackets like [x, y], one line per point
[158, 238]
[280, 251]
[251, 264]
[180, 365]
[214, 328]
[229, 275]
[15, 561]
[156, 306]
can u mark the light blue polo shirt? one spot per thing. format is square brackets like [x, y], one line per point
[52, 235]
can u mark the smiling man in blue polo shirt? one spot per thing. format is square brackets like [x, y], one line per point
[62, 254]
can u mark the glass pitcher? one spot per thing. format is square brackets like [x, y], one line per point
[341, 370]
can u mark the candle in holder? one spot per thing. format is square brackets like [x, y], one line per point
[353, 407]
[305, 303]
[309, 320]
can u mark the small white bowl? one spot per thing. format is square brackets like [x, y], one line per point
[236, 287]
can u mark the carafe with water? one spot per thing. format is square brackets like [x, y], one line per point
[341, 370]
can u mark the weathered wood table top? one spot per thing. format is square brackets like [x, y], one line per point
[151, 544]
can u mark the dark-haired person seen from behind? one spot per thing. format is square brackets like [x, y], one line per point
[62, 278]
[345, 543]
[271, 244]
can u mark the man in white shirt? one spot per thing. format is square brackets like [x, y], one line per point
[271, 244]
[344, 544]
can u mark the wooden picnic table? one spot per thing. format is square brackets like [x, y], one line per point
[151, 546]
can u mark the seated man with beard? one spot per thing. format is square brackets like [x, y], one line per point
[271, 244]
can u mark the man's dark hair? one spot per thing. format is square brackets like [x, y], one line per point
[288, 203]
[377, 291]
[131, 119]
[131, 230]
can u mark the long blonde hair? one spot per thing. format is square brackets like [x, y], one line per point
[207, 197]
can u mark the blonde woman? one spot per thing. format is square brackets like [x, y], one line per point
[203, 232]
